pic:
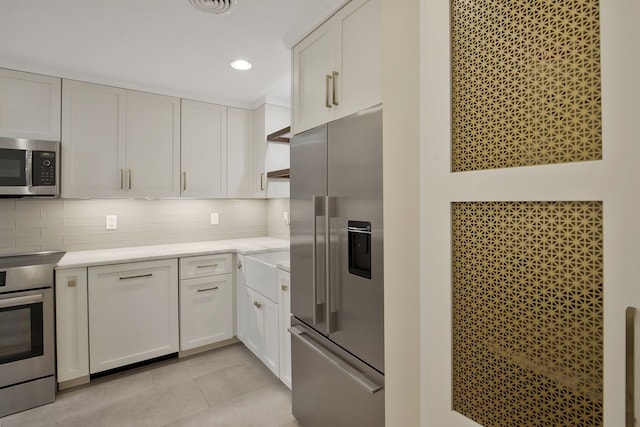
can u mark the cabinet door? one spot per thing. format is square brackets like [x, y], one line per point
[313, 65]
[29, 105]
[254, 327]
[153, 145]
[284, 308]
[93, 140]
[358, 57]
[260, 151]
[239, 153]
[203, 149]
[133, 313]
[271, 355]
[72, 324]
[241, 301]
[206, 310]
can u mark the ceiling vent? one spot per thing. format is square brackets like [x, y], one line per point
[218, 7]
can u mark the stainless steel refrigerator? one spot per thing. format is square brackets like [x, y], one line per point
[337, 296]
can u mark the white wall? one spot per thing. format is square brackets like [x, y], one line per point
[28, 225]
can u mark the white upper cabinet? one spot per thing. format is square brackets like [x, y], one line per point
[203, 149]
[153, 145]
[119, 143]
[93, 140]
[29, 106]
[240, 151]
[337, 69]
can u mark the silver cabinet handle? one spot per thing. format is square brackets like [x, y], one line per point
[140, 276]
[326, 90]
[206, 266]
[122, 179]
[335, 82]
[341, 365]
[262, 181]
[257, 304]
[630, 320]
[130, 179]
[184, 181]
[284, 287]
[239, 265]
[18, 301]
[208, 289]
[71, 283]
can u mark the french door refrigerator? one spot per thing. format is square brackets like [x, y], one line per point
[337, 299]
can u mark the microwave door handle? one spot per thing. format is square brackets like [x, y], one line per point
[19, 301]
[28, 168]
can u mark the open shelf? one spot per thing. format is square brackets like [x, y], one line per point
[282, 173]
[281, 135]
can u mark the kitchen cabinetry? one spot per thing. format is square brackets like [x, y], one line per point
[206, 300]
[203, 149]
[240, 152]
[119, 143]
[261, 333]
[29, 105]
[133, 313]
[72, 325]
[284, 312]
[337, 69]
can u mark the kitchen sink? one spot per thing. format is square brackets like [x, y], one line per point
[260, 272]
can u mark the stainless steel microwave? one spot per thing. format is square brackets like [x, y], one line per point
[29, 167]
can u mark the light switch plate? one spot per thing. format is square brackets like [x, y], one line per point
[112, 222]
[215, 220]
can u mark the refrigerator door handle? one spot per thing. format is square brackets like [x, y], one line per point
[329, 213]
[338, 363]
[317, 308]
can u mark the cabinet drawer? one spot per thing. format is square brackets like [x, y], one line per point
[207, 265]
[206, 310]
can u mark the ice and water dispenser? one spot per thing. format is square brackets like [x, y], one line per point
[360, 248]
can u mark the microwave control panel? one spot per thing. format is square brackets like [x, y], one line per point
[44, 168]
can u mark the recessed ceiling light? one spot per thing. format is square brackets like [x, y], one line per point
[241, 64]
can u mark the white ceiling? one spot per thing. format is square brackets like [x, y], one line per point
[162, 46]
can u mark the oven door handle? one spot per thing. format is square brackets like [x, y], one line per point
[17, 301]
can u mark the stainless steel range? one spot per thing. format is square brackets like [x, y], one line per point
[27, 361]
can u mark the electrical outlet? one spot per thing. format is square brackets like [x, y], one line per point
[285, 217]
[215, 219]
[111, 222]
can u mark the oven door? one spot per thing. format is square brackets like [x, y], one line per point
[26, 336]
[15, 168]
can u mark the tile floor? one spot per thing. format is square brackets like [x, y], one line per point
[223, 387]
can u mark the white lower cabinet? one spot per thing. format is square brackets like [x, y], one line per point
[261, 329]
[72, 325]
[284, 311]
[133, 313]
[206, 300]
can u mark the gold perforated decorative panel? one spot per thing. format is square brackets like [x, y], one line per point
[528, 313]
[525, 83]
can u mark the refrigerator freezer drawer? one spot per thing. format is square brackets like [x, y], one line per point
[330, 386]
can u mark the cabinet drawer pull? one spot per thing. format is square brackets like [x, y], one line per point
[335, 83]
[326, 91]
[205, 266]
[208, 289]
[130, 179]
[140, 276]
[284, 287]
[122, 179]
[184, 181]
[257, 304]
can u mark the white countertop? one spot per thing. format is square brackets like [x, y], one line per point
[285, 265]
[174, 250]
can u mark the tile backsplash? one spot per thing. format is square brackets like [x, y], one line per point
[30, 225]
